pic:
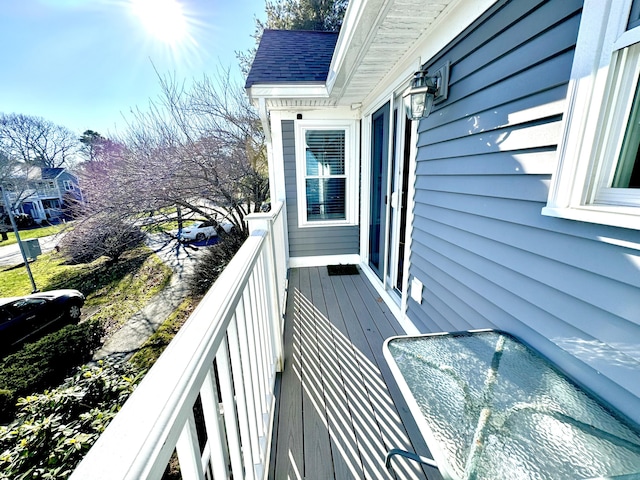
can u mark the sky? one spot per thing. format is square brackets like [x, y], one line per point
[85, 64]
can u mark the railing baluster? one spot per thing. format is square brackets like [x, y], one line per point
[242, 382]
[189, 451]
[270, 317]
[255, 335]
[211, 409]
[230, 411]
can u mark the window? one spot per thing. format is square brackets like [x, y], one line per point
[598, 175]
[325, 161]
[68, 185]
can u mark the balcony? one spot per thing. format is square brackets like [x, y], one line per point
[333, 411]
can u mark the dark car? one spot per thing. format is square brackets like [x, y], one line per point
[23, 318]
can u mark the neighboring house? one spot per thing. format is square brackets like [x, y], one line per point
[44, 193]
[513, 205]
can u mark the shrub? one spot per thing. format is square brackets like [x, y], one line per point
[214, 261]
[54, 430]
[45, 363]
[98, 236]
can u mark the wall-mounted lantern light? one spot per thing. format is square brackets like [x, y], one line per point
[424, 91]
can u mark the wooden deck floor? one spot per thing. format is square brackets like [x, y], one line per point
[339, 409]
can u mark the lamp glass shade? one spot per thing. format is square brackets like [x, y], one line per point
[418, 105]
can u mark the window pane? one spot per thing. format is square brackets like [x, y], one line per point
[325, 152]
[326, 198]
[628, 169]
[634, 17]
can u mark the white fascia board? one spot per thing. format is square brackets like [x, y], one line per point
[281, 91]
[352, 18]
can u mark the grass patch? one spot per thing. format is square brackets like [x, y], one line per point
[163, 227]
[156, 344]
[121, 299]
[116, 289]
[34, 233]
[14, 280]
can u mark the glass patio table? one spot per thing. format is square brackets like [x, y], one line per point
[490, 407]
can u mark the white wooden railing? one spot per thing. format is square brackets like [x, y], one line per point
[225, 359]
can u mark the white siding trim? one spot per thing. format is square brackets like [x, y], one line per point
[323, 260]
[588, 130]
[411, 205]
[276, 163]
[351, 171]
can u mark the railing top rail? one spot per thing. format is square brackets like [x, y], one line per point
[139, 432]
[272, 214]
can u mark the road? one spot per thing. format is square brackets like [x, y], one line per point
[10, 254]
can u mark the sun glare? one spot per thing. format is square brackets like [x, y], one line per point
[162, 19]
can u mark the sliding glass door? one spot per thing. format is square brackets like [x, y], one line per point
[389, 179]
[378, 195]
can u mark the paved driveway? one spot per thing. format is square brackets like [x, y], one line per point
[10, 254]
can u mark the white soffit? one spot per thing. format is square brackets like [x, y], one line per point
[377, 43]
[381, 38]
[378, 40]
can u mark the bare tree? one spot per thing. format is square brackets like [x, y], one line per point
[199, 150]
[36, 141]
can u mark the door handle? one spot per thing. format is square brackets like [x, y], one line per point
[394, 200]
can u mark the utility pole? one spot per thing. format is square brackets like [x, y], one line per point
[7, 205]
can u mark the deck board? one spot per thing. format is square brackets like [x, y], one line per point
[337, 415]
[317, 447]
[346, 459]
[289, 439]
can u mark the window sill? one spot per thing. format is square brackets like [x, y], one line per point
[624, 217]
[327, 223]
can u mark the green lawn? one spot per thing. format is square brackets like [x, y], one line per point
[114, 290]
[33, 233]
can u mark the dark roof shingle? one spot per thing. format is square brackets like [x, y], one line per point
[292, 56]
[51, 173]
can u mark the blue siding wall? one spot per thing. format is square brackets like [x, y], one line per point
[310, 241]
[486, 255]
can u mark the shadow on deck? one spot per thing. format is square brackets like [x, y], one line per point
[340, 410]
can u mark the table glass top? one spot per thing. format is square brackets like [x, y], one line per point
[493, 408]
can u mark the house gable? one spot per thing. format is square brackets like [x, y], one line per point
[292, 56]
[291, 64]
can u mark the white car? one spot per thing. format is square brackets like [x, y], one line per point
[200, 231]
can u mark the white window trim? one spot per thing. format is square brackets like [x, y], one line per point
[351, 170]
[599, 99]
